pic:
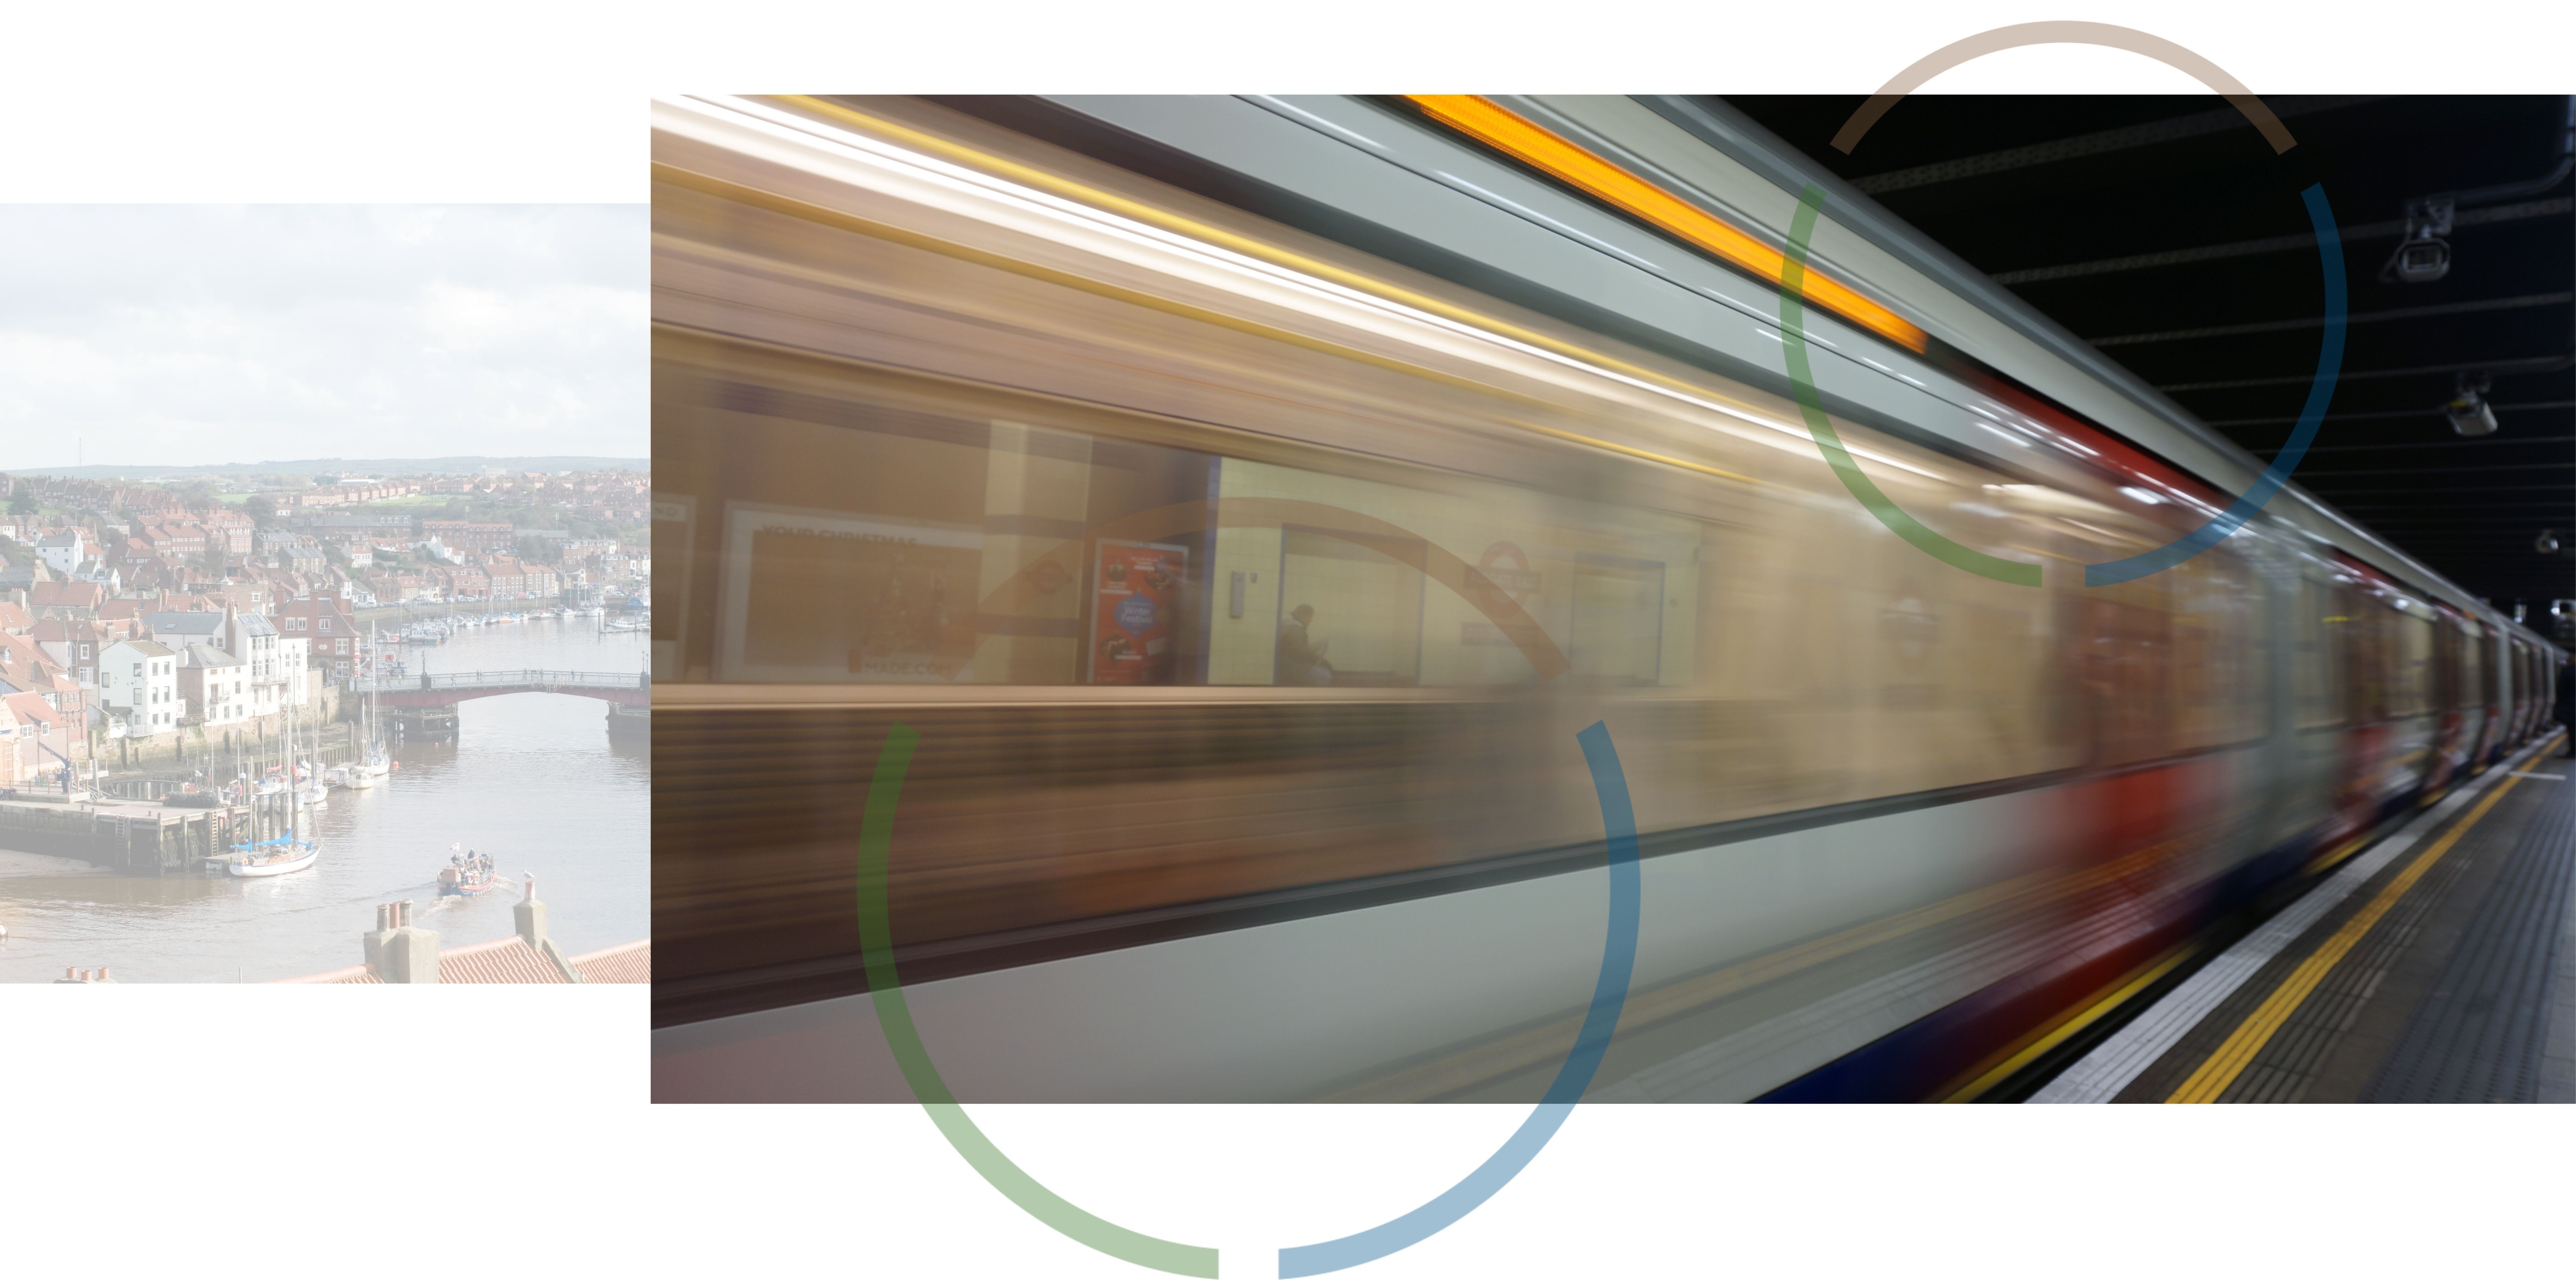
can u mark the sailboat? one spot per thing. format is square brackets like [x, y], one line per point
[309, 791]
[285, 853]
[370, 768]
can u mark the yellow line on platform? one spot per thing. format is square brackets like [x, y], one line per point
[2120, 992]
[2223, 1067]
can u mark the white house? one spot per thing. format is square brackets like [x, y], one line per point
[291, 663]
[143, 678]
[250, 639]
[64, 551]
[179, 630]
[215, 685]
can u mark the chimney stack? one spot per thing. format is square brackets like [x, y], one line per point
[374, 940]
[411, 953]
[401, 952]
[530, 916]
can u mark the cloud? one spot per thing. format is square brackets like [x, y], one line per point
[191, 335]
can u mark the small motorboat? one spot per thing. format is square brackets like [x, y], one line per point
[467, 875]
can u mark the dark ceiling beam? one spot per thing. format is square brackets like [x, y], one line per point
[2491, 366]
[2268, 245]
[2095, 144]
[2296, 324]
[2449, 445]
[2565, 486]
[2400, 415]
[2522, 467]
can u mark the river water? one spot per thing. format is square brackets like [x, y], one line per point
[532, 777]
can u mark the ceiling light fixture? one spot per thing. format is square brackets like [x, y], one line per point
[2468, 411]
[2423, 256]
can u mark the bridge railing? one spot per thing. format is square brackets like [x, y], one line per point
[503, 680]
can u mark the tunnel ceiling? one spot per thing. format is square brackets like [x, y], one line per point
[2128, 221]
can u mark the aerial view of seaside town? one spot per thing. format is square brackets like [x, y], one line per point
[325, 725]
[325, 594]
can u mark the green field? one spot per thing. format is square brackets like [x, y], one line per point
[424, 498]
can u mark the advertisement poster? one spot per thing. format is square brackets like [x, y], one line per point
[1135, 606]
[812, 597]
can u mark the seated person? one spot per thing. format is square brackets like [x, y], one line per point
[1300, 662]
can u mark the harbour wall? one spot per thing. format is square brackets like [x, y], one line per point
[189, 746]
[407, 612]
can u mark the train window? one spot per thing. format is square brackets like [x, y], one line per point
[2316, 657]
[859, 543]
[1345, 590]
[2415, 686]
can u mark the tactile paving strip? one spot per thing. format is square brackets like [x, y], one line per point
[2478, 1035]
[2288, 1066]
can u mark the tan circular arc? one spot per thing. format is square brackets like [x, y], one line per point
[2064, 33]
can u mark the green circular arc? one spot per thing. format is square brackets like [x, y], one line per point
[876, 939]
[1793, 338]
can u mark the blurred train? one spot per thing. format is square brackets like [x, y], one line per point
[1247, 500]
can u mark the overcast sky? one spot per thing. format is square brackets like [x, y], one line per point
[198, 335]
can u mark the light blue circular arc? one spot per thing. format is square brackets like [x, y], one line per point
[2320, 392]
[1609, 995]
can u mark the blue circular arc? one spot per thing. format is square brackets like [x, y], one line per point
[1609, 995]
[2320, 392]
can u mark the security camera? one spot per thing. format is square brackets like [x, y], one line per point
[2423, 256]
[2468, 411]
[2548, 542]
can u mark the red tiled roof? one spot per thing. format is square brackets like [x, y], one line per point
[345, 975]
[31, 708]
[624, 964]
[512, 961]
[502, 961]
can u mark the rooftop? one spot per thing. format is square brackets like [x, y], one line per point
[197, 656]
[183, 623]
[512, 961]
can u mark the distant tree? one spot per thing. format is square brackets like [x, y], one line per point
[24, 502]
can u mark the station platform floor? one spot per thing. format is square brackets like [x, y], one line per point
[2438, 965]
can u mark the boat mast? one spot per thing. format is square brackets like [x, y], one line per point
[293, 789]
